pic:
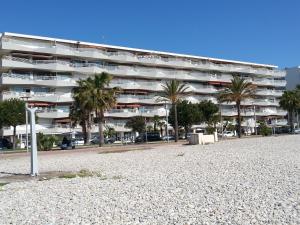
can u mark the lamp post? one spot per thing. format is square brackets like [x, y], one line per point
[34, 161]
[26, 97]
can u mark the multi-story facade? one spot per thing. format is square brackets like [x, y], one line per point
[292, 77]
[46, 70]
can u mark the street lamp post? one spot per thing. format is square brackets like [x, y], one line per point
[34, 161]
[26, 119]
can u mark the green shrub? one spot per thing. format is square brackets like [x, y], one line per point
[210, 130]
[45, 142]
[264, 129]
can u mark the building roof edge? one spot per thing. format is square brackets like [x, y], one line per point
[135, 49]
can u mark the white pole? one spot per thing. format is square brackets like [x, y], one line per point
[34, 161]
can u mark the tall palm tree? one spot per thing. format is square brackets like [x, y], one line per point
[102, 98]
[173, 91]
[290, 101]
[237, 91]
[81, 109]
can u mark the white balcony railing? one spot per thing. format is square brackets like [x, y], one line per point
[59, 80]
[90, 68]
[39, 96]
[145, 58]
[258, 112]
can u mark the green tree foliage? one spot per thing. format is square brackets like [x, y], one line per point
[45, 142]
[12, 113]
[237, 91]
[209, 112]
[172, 92]
[136, 124]
[94, 94]
[264, 130]
[188, 114]
[290, 101]
[81, 109]
[81, 115]
[109, 131]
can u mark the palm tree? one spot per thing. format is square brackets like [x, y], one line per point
[290, 101]
[173, 90]
[81, 109]
[102, 98]
[237, 91]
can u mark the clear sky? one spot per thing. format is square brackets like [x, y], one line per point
[262, 31]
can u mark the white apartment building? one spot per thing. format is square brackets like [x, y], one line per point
[292, 77]
[46, 69]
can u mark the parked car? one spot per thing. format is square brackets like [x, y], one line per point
[5, 144]
[297, 131]
[151, 136]
[96, 140]
[228, 134]
[79, 141]
[170, 137]
[67, 144]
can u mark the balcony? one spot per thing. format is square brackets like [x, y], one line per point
[28, 79]
[39, 96]
[259, 112]
[143, 99]
[52, 113]
[126, 113]
[269, 92]
[24, 63]
[143, 58]
[120, 70]
[269, 82]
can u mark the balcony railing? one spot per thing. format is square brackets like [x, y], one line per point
[61, 65]
[201, 64]
[39, 96]
[258, 112]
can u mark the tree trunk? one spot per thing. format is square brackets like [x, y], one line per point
[238, 105]
[176, 122]
[84, 132]
[161, 131]
[88, 128]
[100, 126]
[291, 120]
[14, 138]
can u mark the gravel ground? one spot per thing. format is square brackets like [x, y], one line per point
[248, 181]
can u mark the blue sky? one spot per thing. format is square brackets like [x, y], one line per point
[262, 31]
